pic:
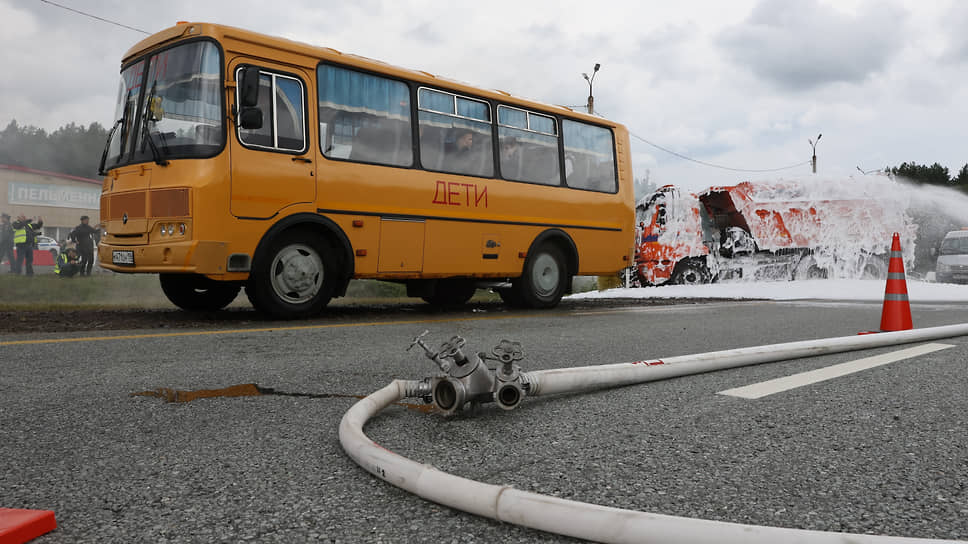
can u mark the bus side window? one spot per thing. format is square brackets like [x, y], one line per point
[592, 153]
[261, 137]
[378, 108]
[455, 133]
[290, 115]
[283, 105]
[529, 146]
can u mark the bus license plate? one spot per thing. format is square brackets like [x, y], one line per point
[124, 257]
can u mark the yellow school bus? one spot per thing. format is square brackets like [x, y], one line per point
[243, 160]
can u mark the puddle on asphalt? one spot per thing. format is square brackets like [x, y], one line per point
[253, 390]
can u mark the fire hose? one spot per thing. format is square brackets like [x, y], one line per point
[466, 381]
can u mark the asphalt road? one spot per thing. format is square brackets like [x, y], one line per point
[881, 451]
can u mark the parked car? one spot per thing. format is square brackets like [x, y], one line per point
[953, 258]
[47, 243]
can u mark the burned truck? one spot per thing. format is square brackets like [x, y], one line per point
[767, 231]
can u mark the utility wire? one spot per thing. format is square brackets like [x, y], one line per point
[704, 163]
[102, 19]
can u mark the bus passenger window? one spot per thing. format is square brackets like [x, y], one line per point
[592, 153]
[367, 117]
[529, 146]
[455, 134]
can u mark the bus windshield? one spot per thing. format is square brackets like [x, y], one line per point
[174, 98]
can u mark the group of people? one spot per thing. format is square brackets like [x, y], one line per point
[22, 236]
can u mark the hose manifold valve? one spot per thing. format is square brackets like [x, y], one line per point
[467, 382]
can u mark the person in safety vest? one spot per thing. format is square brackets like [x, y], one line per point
[6, 242]
[66, 265]
[24, 237]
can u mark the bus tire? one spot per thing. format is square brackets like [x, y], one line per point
[296, 278]
[451, 292]
[544, 280]
[198, 293]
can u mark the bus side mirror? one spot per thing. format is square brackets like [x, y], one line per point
[250, 118]
[248, 87]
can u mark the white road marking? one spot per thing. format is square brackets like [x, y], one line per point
[769, 387]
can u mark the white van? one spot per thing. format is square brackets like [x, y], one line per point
[953, 258]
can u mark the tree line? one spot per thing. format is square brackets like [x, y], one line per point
[71, 149]
[931, 175]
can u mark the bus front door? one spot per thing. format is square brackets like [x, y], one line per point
[273, 166]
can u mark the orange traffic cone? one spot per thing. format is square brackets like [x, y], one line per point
[896, 315]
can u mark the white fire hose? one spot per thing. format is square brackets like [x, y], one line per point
[589, 521]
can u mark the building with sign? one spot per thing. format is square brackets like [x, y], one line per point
[59, 199]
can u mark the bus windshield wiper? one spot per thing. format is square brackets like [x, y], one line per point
[147, 117]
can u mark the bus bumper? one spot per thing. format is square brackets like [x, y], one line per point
[188, 257]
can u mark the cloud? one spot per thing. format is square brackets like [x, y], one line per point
[669, 53]
[805, 44]
[956, 48]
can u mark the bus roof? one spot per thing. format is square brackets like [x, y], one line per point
[222, 32]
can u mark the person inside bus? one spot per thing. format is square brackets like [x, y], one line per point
[510, 158]
[509, 148]
[460, 154]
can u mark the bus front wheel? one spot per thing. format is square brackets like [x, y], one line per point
[544, 280]
[296, 277]
[198, 293]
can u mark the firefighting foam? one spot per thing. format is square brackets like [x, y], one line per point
[788, 229]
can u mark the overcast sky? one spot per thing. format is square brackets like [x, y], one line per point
[741, 84]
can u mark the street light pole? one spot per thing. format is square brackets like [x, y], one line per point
[590, 80]
[813, 160]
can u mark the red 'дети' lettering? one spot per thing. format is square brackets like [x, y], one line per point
[450, 193]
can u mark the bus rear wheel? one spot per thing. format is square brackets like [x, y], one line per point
[451, 292]
[543, 282]
[296, 278]
[198, 293]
